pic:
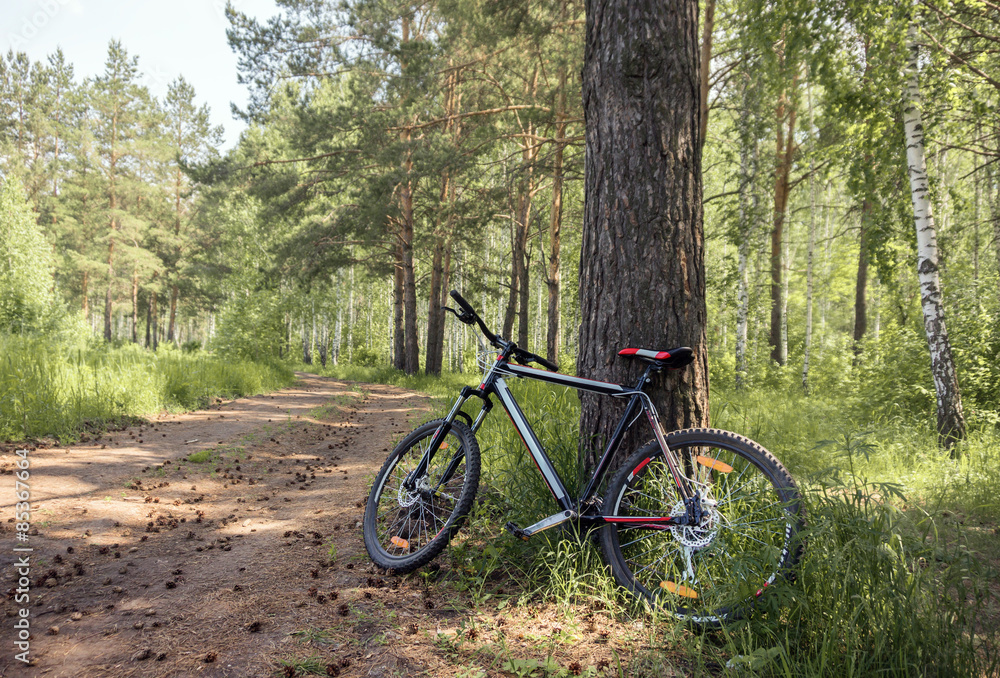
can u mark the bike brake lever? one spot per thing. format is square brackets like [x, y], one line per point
[462, 317]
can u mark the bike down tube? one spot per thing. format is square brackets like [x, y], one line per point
[543, 463]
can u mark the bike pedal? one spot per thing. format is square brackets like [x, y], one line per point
[517, 531]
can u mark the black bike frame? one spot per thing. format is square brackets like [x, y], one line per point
[494, 383]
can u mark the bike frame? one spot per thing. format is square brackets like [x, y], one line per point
[495, 383]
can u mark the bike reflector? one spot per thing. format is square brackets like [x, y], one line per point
[400, 542]
[714, 464]
[679, 589]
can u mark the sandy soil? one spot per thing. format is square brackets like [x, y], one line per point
[145, 564]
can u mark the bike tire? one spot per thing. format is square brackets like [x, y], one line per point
[404, 530]
[711, 574]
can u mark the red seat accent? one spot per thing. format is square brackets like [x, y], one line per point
[654, 355]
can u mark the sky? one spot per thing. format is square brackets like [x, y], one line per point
[179, 37]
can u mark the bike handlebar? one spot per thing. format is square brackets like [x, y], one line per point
[523, 356]
[470, 316]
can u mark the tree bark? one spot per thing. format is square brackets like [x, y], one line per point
[155, 314]
[706, 63]
[995, 215]
[411, 359]
[552, 337]
[171, 330]
[435, 316]
[950, 419]
[785, 148]
[810, 275]
[517, 301]
[642, 276]
[861, 282]
[748, 211]
[398, 335]
[135, 306]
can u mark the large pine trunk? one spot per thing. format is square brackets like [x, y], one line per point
[950, 420]
[642, 276]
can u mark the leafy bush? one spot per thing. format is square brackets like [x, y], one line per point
[26, 300]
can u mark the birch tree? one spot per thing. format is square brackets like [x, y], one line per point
[950, 420]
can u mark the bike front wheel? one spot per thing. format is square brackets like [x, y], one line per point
[712, 572]
[406, 529]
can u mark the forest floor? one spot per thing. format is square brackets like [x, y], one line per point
[250, 560]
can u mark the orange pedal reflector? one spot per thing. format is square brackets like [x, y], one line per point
[679, 589]
[400, 542]
[714, 464]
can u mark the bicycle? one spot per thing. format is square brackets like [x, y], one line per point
[699, 521]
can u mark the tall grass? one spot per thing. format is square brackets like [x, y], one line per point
[48, 388]
[887, 584]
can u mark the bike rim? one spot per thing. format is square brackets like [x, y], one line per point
[406, 522]
[706, 573]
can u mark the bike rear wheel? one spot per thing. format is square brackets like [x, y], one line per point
[404, 530]
[713, 572]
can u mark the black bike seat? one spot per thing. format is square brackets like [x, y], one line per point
[673, 358]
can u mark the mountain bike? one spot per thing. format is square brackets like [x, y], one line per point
[698, 522]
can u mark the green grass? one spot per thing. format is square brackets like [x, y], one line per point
[50, 389]
[894, 580]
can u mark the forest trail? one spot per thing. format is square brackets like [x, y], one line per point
[146, 564]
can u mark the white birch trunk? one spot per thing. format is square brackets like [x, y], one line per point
[950, 420]
[809, 281]
[809, 254]
[995, 214]
[748, 216]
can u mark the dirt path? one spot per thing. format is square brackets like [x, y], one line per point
[146, 564]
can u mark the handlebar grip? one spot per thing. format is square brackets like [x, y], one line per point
[460, 300]
[524, 357]
[546, 364]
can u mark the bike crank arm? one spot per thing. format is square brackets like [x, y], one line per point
[541, 525]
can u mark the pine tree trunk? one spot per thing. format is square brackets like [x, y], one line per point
[174, 293]
[552, 337]
[435, 317]
[861, 282]
[706, 65]
[350, 316]
[155, 315]
[85, 289]
[523, 292]
[642, 275]
[149, 322]
[135, 306]
[950, 420]
[785, 148]
[398, 335]
[411, 362]
[107, 294]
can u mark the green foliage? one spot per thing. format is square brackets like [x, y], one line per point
[26, 266]
[51, 389]
[878, 592]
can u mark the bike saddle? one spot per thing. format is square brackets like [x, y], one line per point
[675, 358]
